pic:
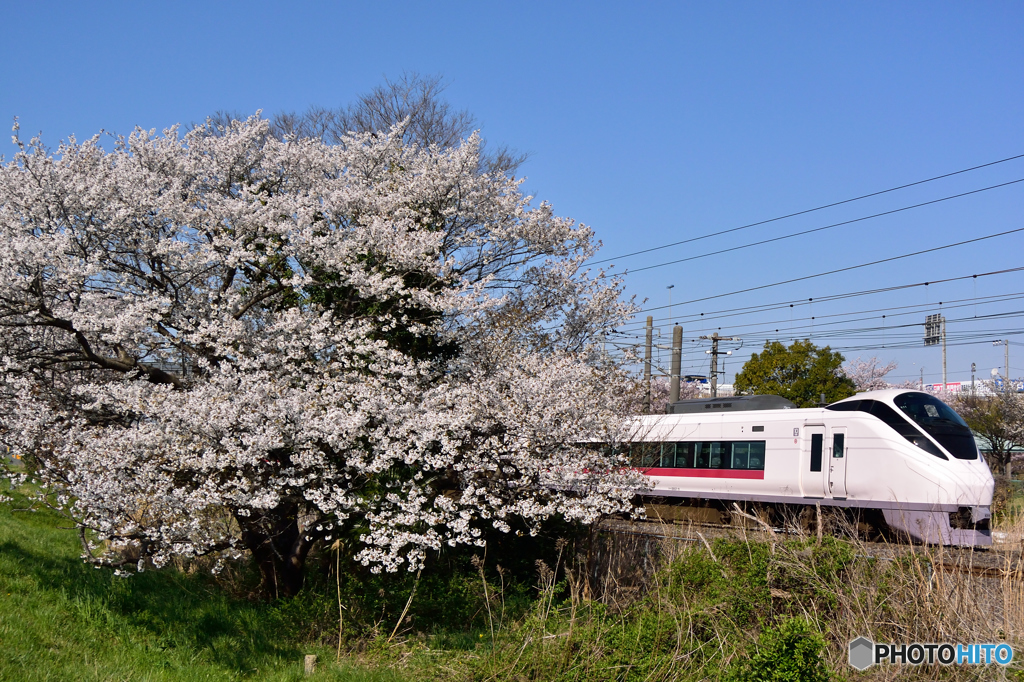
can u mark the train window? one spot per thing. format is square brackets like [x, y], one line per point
[716, 456]
[684, 455]
[893, 419]
[740, 455]
[668, 454]
[719, 455]
[756, 429]
[817, 440]
[940, 422]
[838, 441]
[702, 455]
[756, 455]
[699, 455]
[902, 427]
[645, 455]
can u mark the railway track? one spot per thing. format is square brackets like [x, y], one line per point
[988, 562]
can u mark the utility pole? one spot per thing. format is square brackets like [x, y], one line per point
[974, 368]
[714, 352]
[647, 364]
[1006, 381]
[945, 386]
[677, 353]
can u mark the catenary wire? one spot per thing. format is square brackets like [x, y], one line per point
[908, 310]
[817, 229]
[804, 301]
[889, 331]
[725, 314]
[809, 210]
[846, 269]
[892, 338]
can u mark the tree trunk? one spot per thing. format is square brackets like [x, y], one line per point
[278, 549]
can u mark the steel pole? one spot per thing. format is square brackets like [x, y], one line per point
[714, 365]
[944, 388]
[1006, 365]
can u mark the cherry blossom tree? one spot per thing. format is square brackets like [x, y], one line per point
[661, 390]
[868, 375]
[414, 100]
[223, 341]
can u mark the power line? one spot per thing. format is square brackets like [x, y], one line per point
[747, 310]
[889, 331]
[809, 210]
[906, 341]
[768, 307]
[914, 309]
[852, 267]
[892, 338]
[975, 338]
[820, 229]
[986, 338]
[836, 297]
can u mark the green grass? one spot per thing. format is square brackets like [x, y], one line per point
[773, 608]
[61, 619]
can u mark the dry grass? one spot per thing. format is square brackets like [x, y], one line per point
[894, 592]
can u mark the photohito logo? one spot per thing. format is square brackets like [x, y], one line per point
[864, 653]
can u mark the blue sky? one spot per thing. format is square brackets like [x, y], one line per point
[652, 123]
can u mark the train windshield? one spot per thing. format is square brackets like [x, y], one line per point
[941, 423]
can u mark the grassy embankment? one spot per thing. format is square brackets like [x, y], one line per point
[758, 607]
[63, 620]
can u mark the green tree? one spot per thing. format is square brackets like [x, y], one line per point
[801, 373]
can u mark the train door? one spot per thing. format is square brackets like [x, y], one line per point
[837, 463]
[812, 476]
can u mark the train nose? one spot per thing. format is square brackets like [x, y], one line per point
[975, 485]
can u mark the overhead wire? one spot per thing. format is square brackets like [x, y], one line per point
[890, 334]
[908, 310]
[893, 340]
[809, 210]
[831, 333]
[846, 269]
[767, 307]
[819, 229]
[837, 333]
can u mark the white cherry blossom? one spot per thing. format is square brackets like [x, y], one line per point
[221, 342]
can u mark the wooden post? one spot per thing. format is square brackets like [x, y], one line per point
[310, 664]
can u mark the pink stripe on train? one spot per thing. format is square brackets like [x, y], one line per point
[707, 473]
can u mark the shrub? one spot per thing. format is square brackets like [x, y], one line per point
[789, 652]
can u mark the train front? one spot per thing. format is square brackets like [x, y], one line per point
[961, 499]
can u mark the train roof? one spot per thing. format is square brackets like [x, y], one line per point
[746, 403]
[740, 403]
[884, 394]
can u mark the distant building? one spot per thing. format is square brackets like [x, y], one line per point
[980, 387]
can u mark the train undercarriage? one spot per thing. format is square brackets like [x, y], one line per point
[965, 526]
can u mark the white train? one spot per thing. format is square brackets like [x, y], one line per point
[901, 455]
